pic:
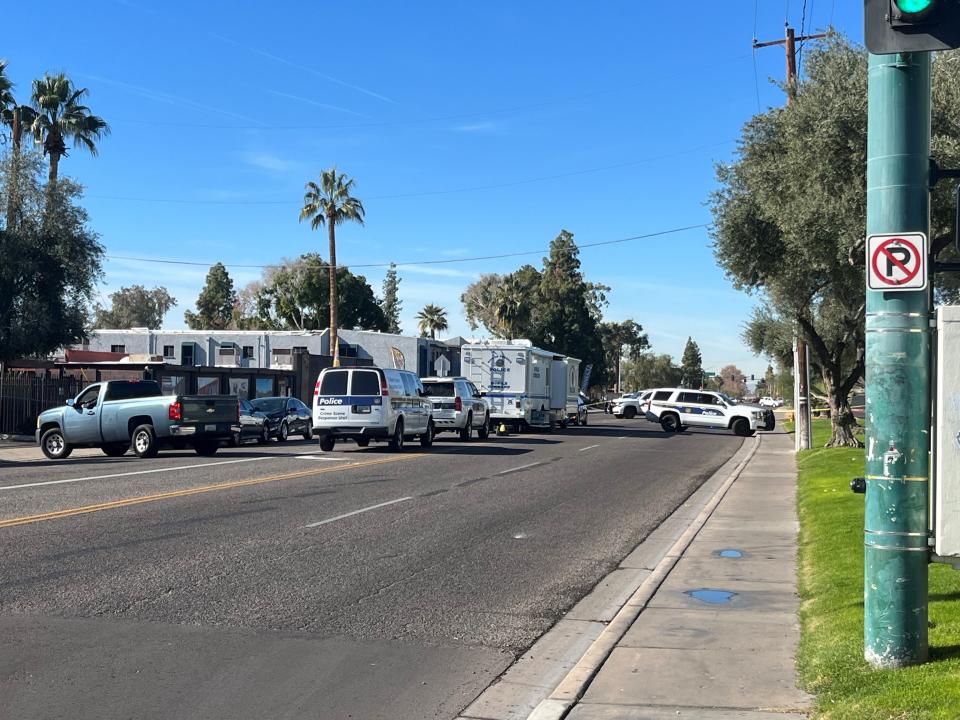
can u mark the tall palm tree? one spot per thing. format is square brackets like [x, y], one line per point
[16, 117]
[330, 202]
[509, 307]
[60, 116]
[432, 319]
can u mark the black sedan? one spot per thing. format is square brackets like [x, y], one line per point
[285, 417]
[253, 425]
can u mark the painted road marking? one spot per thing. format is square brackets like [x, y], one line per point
[136, 472]
[56, 515]
[522, 467]
[357, 512]
[588, 447]
[321, 457]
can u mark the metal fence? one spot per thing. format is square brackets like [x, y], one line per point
[23, 397]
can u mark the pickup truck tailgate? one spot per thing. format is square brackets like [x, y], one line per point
[209, 409]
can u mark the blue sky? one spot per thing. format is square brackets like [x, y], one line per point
[470, 128]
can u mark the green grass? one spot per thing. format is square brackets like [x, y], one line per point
[830, 659]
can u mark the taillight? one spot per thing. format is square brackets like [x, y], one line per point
[458, 404]
[316, 388]
[176, 411]
[383, 386]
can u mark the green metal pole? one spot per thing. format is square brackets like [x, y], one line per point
[897, 374]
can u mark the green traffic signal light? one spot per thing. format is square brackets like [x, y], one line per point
[912, 9]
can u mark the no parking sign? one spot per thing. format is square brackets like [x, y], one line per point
[897, 262]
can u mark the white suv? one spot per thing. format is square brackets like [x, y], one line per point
[457, 406]
[630, 405]
[677, 408]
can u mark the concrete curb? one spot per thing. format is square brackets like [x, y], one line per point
[531, 687]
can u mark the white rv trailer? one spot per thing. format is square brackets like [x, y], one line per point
[525, 385]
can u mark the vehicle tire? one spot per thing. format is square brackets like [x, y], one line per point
[466, 432]
[426, 439]
[483, 432]
[283, 433]
[54, 446]
[396, 441]
[327, 443]
[264, 435]
[143, 441]
[741, 427]
[670, 423]
[308, 435]
[206, 448]
[630, 412]
[585, 416]
[115, 449]
[363, 442]
[236, 440]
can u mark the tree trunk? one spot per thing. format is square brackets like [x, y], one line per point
[333, 287]
[13, 198]
[842, 421]
[54, 169]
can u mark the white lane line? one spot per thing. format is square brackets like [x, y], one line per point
[588, 447]
[522, 467]
[321, 457]
[136, 472]
[357, 512]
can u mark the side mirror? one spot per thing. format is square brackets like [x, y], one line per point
[70, 402]
[483, 393]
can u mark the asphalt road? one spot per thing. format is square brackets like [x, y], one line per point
[279, 582]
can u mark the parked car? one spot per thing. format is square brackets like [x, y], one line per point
[629, 405]
[458, 406]
[121, 415]
[677, 408]
[767, 401]
[583, 411]
[285, 416]
[253, 426]
[364, 404]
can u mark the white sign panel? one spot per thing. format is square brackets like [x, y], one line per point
[897, 262]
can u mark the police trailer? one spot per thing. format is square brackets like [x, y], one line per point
[525, 386]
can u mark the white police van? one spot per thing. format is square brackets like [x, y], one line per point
[370, 403]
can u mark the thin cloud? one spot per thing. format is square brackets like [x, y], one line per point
[477, 127]
[269, 161]
[435, 271]
[325, 106]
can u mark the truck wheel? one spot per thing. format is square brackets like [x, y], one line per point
[143, 441]
[466, 432]
[54, 446]
[327, 442]
[207, 447]
[483, 432]
[741, 427]
[396, 442]
[115, 449]
[426, 439]
[629, 412]
[308, 433]
[363, 442]
[670, 423]
[236, 439]
[586, 414]
[283, 433]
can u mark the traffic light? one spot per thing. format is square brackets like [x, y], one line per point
[894, 26]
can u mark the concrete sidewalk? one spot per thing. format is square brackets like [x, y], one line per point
[647, 644]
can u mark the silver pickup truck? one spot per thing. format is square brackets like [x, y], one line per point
[121, 415]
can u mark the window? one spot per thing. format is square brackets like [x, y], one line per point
[240, 387]
[264, 387]
[118, 348]
[689, 397]
[334, 383]
[173, 385]
[88, 398]
[365, 382]
[247, 352]
[433, 389]
[186, 354]
[409, 384]
[168, 351]
[129, 390]
[473, 389]
[300, 348]
[209, 385]
[662, 395]
[708, 399]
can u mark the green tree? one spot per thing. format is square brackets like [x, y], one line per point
[216, 302]
[295, 294]
[50, 266]
[648, 370]
[331, 203]
[431, 320]
[691, 365]
[16, 117]
[567, 322]
[391, 303]
[480, 303]
[135, 306]
[59, 115]
[620, 337]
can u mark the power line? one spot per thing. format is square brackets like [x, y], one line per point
[414, 263]
[449, 191]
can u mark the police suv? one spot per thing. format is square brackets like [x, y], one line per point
[370, 403]
[678, 408]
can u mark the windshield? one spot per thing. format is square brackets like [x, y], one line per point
[269, 404]
[729, 400]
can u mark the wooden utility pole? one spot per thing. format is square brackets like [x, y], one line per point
[801, 365]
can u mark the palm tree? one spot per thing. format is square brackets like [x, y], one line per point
[509, 307]
[432, 318]
[330, 202]
[59, 116]
[16, 117]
